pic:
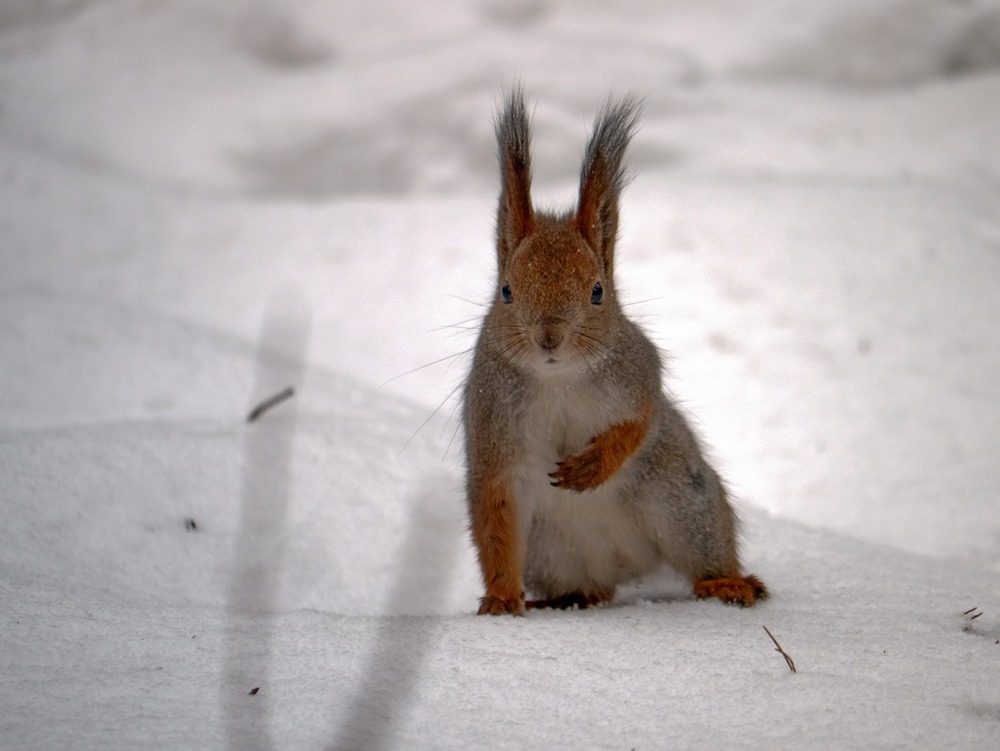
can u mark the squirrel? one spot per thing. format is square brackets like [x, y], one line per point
[581, 474]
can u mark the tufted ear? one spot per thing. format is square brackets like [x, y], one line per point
[515, 216]
[603, 178]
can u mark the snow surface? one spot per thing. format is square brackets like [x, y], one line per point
[203, 202]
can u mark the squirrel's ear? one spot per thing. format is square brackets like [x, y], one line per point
[515, 216]
[603, 177]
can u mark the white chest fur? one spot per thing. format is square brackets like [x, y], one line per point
[576, 541]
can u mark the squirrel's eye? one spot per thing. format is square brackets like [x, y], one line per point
[506, 295]
[597, 294]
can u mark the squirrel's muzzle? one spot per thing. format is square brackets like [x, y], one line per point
[549, 337]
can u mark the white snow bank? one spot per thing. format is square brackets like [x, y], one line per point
[130, 629]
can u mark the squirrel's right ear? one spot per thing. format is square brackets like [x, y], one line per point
[515, 216]
[603, 177]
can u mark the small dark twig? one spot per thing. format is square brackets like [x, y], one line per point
[268, 403]
[779, 650]
[971, 614]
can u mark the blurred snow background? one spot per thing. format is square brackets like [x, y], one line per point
[204, 202]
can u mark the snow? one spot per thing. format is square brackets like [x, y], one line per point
[202, 203]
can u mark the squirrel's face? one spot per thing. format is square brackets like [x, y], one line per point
[554, 302]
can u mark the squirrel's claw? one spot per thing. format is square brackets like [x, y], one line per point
[578, 473]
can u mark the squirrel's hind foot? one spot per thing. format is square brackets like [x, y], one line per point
[733, 590]
[579, 600]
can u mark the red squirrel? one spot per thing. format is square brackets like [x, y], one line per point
[581, 473]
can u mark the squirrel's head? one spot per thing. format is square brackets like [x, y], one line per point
[556, 301]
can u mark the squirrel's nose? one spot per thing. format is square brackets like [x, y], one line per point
[549, 338]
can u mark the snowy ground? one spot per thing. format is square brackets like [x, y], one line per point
[202, 203]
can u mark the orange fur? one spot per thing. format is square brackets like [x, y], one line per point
[734, 590]
[494, 531]
[604, 456]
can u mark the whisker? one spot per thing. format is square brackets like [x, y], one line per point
[430, 417]
[427, 365]
[643, 302]
[451, 441]
[471, 302]
[473, 325]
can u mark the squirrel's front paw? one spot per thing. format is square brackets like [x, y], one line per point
[582, 471]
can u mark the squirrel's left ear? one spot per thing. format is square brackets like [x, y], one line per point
[515, 215]
[603, 178]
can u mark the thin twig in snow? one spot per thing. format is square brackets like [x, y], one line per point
[970, 612]
[268, 403]
[779, 650]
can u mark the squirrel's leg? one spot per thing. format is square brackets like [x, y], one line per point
[501, 552]
[735, 590]
[710, 553]
[604, 455]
